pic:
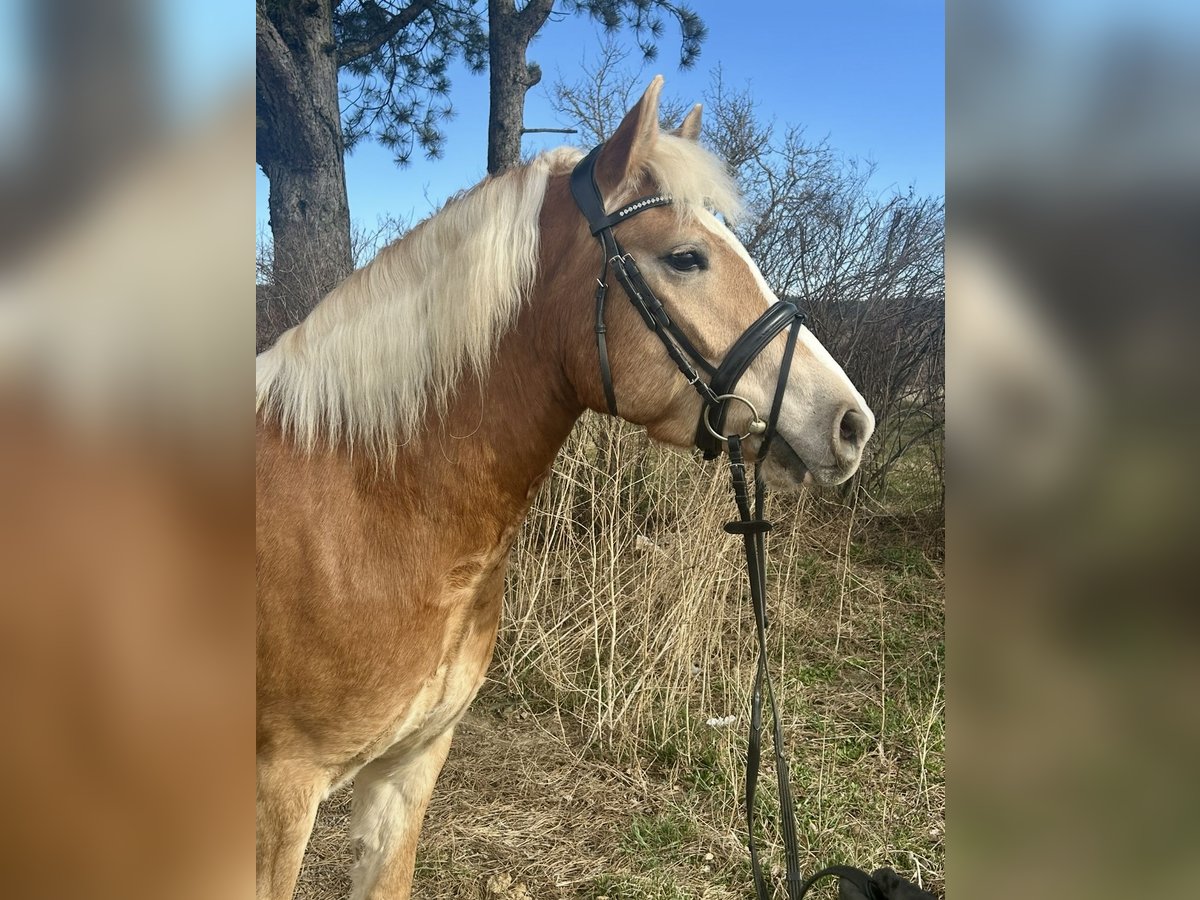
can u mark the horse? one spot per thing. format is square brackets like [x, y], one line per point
[404, 427]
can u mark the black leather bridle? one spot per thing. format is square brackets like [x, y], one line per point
[717, 394]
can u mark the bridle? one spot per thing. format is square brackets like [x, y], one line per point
[718, 392]
[716, 395]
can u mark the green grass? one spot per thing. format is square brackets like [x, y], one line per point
[441, 863]
[663, 836]
[635, 887]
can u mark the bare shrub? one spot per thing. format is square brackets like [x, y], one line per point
[627, 622]
[608, 87]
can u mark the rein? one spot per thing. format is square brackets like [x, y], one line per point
[717, 394]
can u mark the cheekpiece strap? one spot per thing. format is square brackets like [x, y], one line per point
[591, 203]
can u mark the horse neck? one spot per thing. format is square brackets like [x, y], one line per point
[476, 467]
[500, 433]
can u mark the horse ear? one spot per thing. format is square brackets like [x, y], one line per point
[628, 149]
[690, 126]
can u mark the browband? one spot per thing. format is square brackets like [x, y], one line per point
[591, 202]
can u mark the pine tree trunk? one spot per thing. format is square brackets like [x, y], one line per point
[310, 230]
[301, 151]
[509, 34]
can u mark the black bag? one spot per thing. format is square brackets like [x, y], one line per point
[884, 884]
[855, 884]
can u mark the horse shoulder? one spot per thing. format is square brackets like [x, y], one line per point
[374, 630]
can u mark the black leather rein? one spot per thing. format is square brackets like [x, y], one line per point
[716, 395]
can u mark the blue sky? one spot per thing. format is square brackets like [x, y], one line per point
[869, 74]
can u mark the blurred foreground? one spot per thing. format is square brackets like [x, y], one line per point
[1074, 197]
[126, 491]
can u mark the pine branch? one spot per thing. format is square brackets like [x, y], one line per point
[348, 53]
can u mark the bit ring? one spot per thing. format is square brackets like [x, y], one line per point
[756, 426]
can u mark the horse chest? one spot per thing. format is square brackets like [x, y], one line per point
[463, 621]
[439, 703]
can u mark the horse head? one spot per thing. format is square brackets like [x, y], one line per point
[709, 292]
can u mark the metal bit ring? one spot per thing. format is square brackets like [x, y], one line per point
[756, 426]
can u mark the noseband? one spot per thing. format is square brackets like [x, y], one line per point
[717, 393]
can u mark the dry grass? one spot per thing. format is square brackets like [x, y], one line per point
[588, 768]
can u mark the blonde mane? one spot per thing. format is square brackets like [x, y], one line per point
[393, 340]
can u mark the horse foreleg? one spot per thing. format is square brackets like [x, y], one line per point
[288, 794]
[390, 798]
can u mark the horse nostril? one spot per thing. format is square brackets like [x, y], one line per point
[852, 428]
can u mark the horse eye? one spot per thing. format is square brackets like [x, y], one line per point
[686, 261]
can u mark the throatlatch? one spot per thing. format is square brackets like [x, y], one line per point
[717, 394]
